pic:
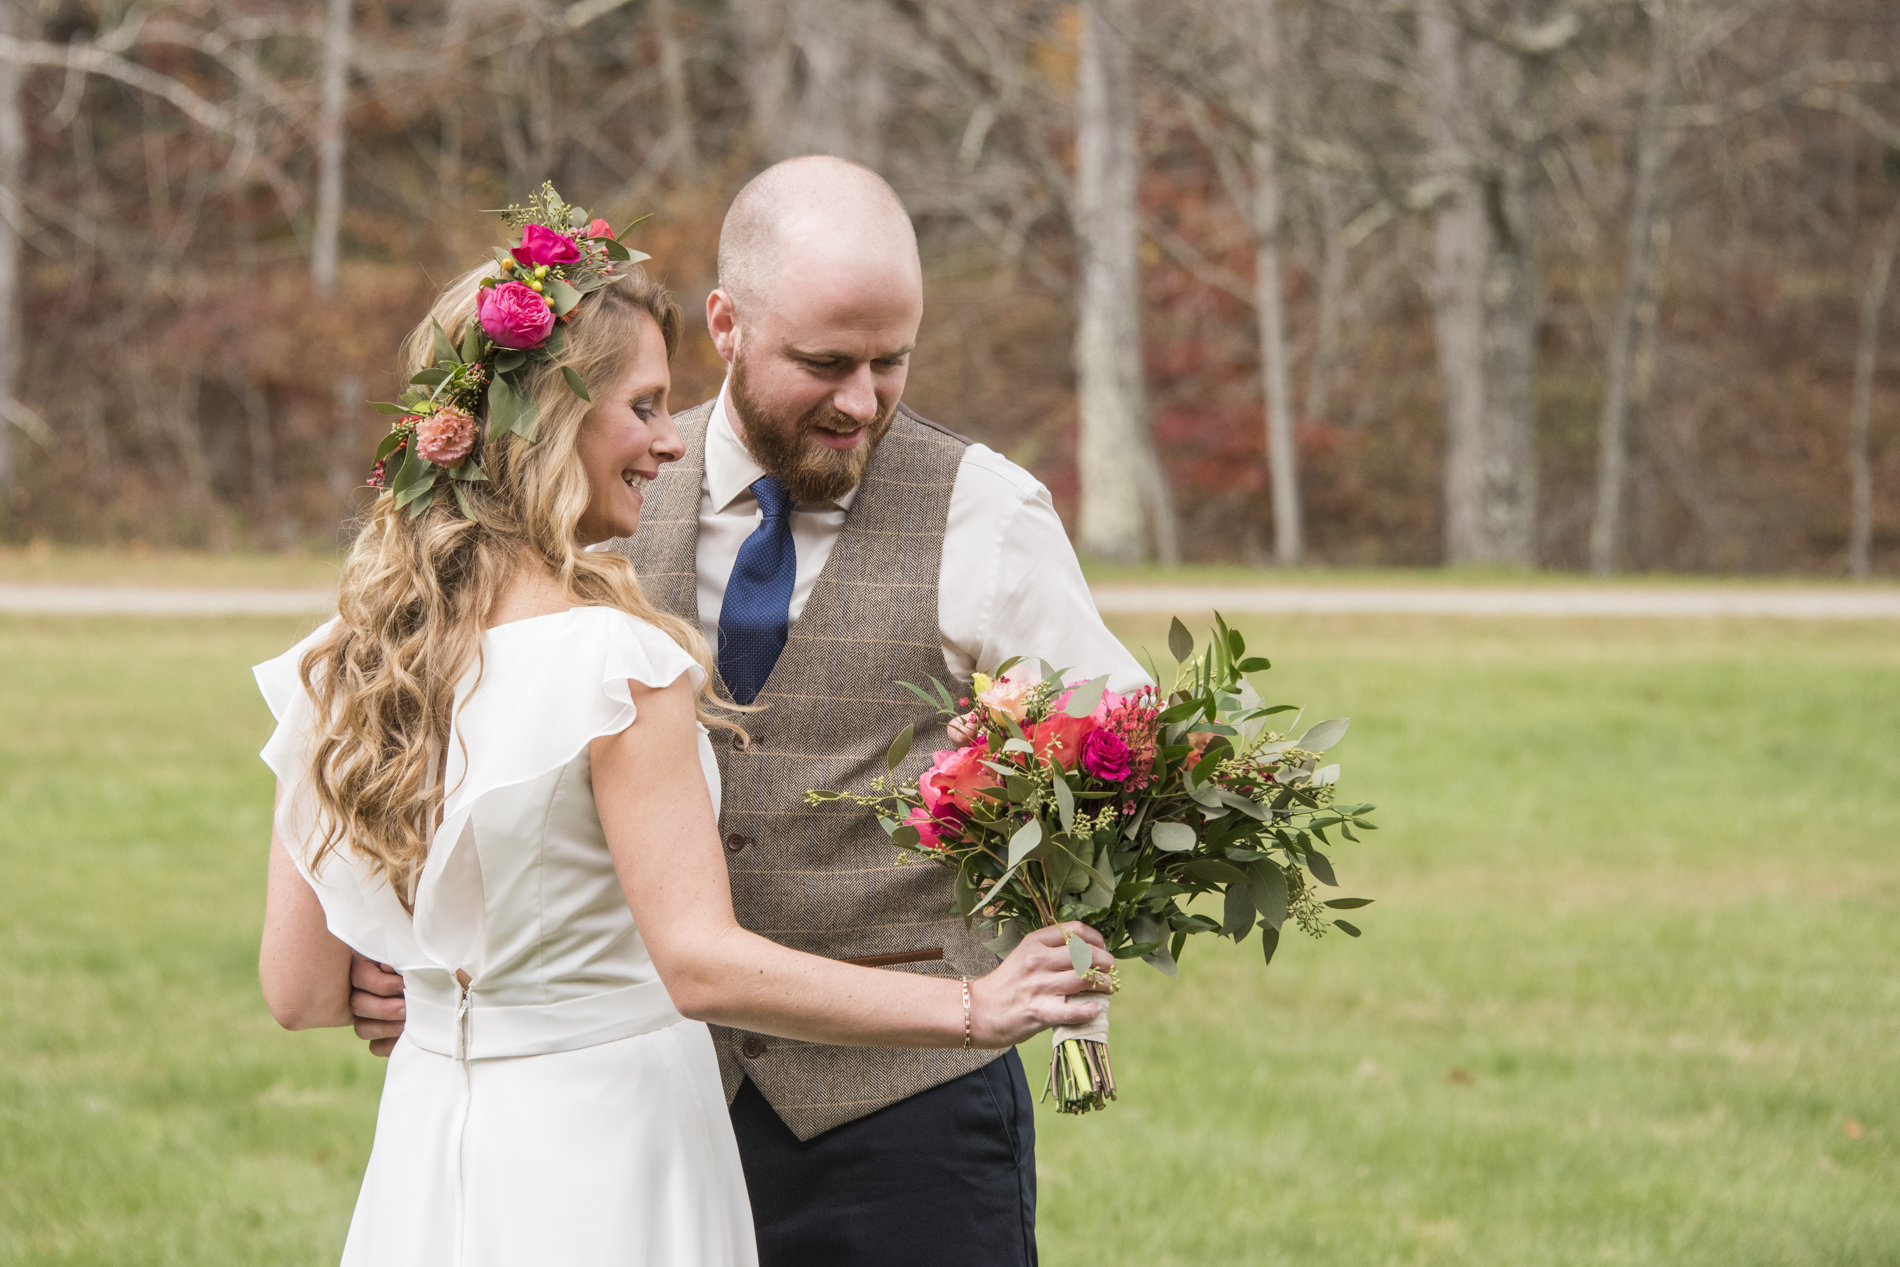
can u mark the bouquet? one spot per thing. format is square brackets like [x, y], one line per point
[1070, 802]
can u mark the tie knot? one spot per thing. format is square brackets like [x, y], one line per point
[774, 501]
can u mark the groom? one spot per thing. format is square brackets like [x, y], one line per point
[832, 544]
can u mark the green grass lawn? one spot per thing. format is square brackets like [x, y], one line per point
[1628, 994]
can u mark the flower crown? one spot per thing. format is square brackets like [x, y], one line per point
[562, 257]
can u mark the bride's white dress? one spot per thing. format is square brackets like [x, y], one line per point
[561, 1111]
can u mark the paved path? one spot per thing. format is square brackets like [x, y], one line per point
[1548, 600]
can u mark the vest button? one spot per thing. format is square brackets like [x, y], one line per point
[752, 1048]
[736, 842]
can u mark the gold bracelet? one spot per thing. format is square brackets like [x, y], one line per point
[966, 1013]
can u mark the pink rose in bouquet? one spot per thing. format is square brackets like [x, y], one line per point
[955, 775]
[599, 229]
[1008, 697]
[514, 316]
[1105, 755]
[445, 436]
[545, 246]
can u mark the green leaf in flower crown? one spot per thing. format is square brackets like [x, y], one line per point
[574, 383]
[444, 350]
[385, 407]
[472, 343]
[622, 235]
[637, 257]
[899, 749]
[563, 296]
[1174, 837]
[1027, 837]
[391, 442]
[1180, 641]
[470, 471]
[508, 360]
[576, 217]
[509, 409]
[1083, 700]
[1323, 735]
[431, 377]
[461, 500]
[1065, 800]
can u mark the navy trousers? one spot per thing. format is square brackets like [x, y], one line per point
[946, 1178]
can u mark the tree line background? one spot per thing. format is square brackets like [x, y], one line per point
[1575, 283]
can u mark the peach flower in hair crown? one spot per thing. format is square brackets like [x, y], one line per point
[562, 256]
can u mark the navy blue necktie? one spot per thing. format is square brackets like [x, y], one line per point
[755, 617]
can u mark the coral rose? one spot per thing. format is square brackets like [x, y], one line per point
[600, 229]
[1105, 755]
[955, 776]
[545, 246]
[1059, 738]
[514, 316]
[445, 436]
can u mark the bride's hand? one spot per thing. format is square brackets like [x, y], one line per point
[1036, 987]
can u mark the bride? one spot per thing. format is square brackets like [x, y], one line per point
[494, 774]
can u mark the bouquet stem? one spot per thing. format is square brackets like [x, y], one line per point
[1080, 1076]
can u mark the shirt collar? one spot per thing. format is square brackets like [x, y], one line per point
[730, 466]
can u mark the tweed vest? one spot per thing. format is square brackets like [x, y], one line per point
[825, 880]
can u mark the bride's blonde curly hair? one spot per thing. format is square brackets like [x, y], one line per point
[416, 592]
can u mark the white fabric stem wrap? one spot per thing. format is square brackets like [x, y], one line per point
[1096, 1031]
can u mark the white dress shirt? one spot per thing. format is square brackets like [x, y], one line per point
[1009, 584]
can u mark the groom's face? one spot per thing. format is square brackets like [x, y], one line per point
[819, 363]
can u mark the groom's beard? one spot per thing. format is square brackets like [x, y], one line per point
[783, 444]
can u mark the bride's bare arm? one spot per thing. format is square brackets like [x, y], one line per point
[665, 841]
[304, 969]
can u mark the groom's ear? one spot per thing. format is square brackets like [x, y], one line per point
[722, 322]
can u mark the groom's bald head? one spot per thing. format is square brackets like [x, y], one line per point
[810, 219]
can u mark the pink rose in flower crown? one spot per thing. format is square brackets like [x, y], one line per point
[1105, 755]
[445, 436]
[600, 229]
[955, 776]
[545, 246]
[514, 316]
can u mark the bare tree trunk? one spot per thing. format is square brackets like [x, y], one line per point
[1114, 448]
[1268, 210]
[683, 145]
[1324, 365]
[12, 165]
[1484, 299]
[336, 83]
[766, 45]
[1639, 294]
[1873, 305]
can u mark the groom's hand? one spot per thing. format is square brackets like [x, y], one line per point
[376, 1002]
[1037, 987]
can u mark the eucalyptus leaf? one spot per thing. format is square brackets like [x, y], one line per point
[615, 251]
[1349, 903]
[1269, 940]
[1254, 664]
[1027, 837]
[431, 377]
[1079, 957]
[1173, 837]
[1237, 911]
[622, 235]
[387, 408]
[509, 360]
[442, 348]
[506, 404]
[561, 295]
[389, 445]
[1214, 871]
[1018, 745]
[472, 343]
[1235, 800]
[1323, 735]
[1351, 930]
[1065, 802]
[1008, 936]
[469, 472]
[1180, 641]
[1321, 867]
[574, 383]
[462, 501]
[1269, 891]
[1084, 699]
[899, 749]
